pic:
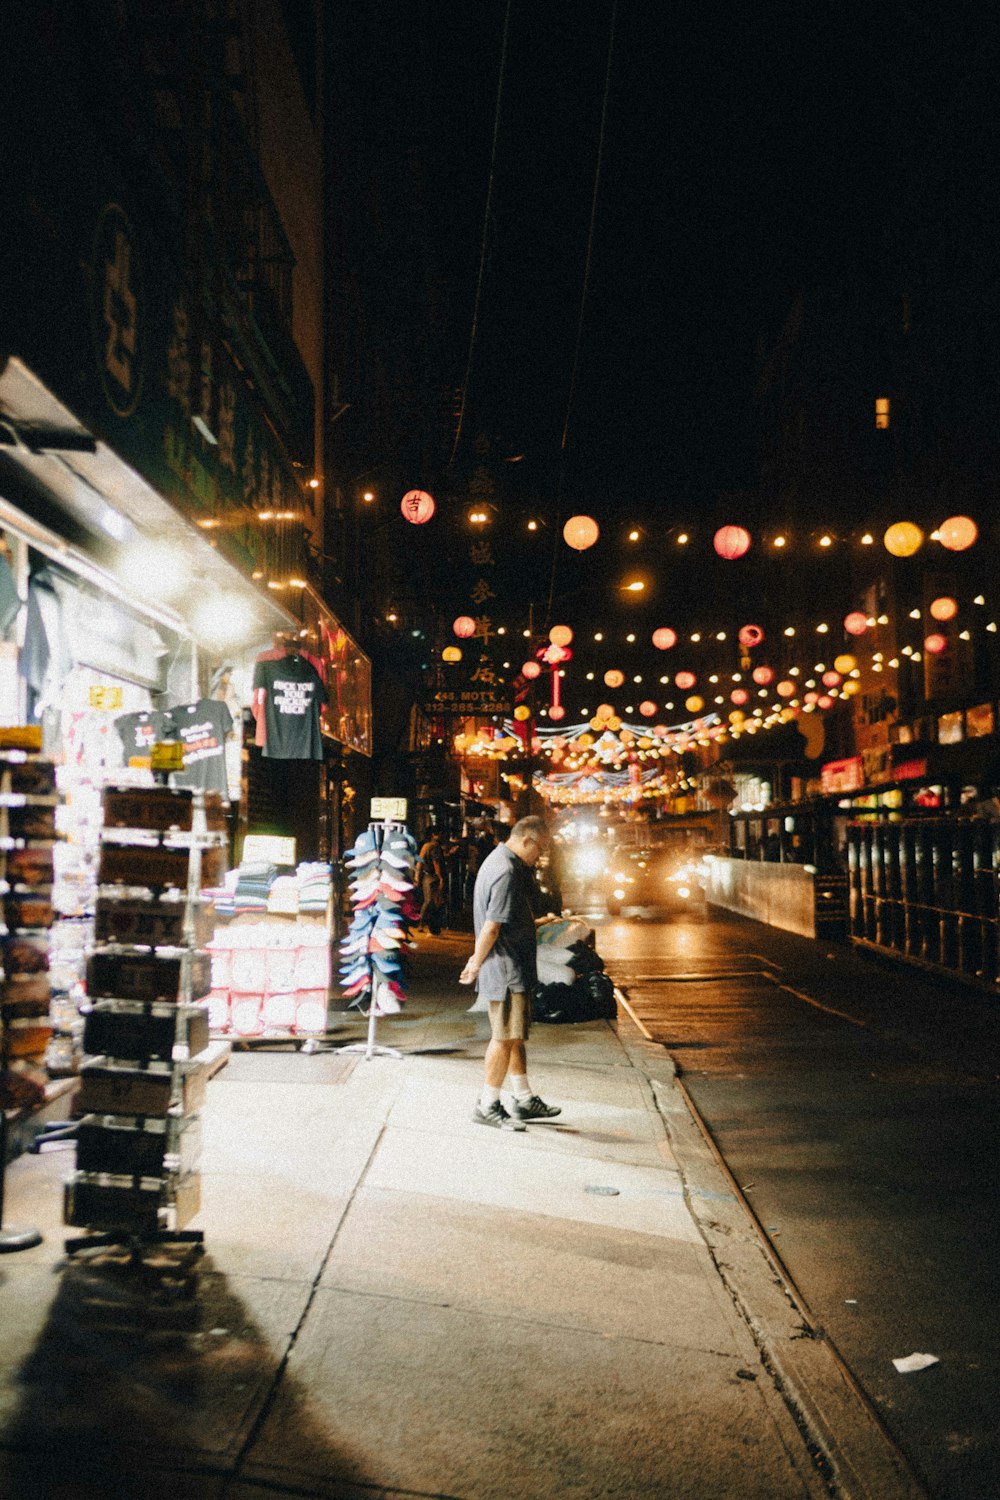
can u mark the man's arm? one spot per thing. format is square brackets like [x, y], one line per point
[484, 945]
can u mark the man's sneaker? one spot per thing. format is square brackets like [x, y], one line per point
[534, 1108]
[496, 1116]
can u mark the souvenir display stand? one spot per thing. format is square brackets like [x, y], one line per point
[136, 1181]
[28, 802]
[382, 863]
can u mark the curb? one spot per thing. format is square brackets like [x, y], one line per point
[851, 1450]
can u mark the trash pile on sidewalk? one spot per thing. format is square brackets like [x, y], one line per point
[572, 984]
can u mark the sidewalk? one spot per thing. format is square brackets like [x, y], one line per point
[395, 1301]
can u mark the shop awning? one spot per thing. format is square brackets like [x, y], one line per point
[110, 505]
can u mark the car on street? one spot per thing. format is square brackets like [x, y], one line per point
[664, 879]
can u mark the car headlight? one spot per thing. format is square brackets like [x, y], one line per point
[682, 890]
[619, 895]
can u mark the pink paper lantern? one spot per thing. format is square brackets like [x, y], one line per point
[685, 680]
[464, 626]
[762, 676]
[739, 696]
[417, 507]
[647, 709]
[664, 638]
[557, 711]
[935, 644]
[531, 669]
[824, 701]
[750, 636]
[957, 533]
[731, 542]
[832, 679]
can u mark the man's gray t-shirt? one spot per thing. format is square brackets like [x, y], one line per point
[503, 893]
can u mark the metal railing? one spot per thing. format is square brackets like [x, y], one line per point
[928, 889]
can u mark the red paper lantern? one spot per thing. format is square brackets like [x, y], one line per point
[647, 709]
[855, 623]
[739, 696]
[763, 675]
[464, 626]
[417, 507]
[750, 636]
[531, 669]
[685, 680]
[731, 542]
[664, 638]
[935, 644]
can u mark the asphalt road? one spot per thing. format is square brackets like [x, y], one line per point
[857, 1104]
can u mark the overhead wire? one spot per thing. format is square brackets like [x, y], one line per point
[487, 212]
[571, 391]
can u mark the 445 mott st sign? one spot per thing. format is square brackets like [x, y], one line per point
[471, 693]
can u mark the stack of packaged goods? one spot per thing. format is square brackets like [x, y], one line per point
[315, 887]
[270, 978]
[141, 1087]
[382, 862]
[28, 803]
[253, 885]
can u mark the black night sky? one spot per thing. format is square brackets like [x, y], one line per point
[755, 159]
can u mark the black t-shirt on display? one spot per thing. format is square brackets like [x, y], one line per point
[140, 732]
[201, 728]
[293, 693]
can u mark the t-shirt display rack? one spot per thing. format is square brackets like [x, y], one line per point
[360, 945]
[136, 1182]
[28, 800]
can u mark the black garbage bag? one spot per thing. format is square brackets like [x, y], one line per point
[553, 1002]
[594, 996]
[585, 959]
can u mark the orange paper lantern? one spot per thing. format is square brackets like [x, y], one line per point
[614, 678]
[944, 608]
[647, 709]
[739, 696]
[763, 675]
[451, 653]
[685, 680]
[581, 532]
[664, 638]
[531, 669]
[694, 704]
[903, 539]
[560, 635]
[557, 711]
[785, 689]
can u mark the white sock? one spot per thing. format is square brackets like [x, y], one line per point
[519, 1083]
[488, 1097]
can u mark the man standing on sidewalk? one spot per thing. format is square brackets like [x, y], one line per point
[503, 963]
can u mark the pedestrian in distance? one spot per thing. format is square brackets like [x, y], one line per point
[430, 876]
[503, 967]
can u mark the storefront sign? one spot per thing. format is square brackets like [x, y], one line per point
[389, 809]
[910, 770]
[478, 694]
[842, 775]
[272, 848]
